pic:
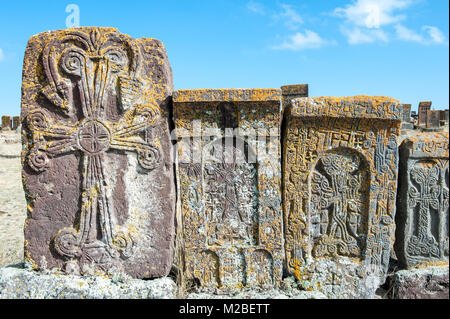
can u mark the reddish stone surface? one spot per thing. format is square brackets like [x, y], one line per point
[422, 115]
[97, 162]
[427, 283]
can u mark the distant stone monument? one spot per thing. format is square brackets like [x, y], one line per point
[443, 117]
[15, 122]
[406, 119]
[424, 107]
[97, 164]
[229, 174]
[340, 180]
[6, 123]
[433, 119]
[290, 92]
[423, 200]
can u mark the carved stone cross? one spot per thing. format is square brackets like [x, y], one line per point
[106, 107]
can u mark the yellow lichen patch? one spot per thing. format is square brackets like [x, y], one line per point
[226, 95]
[223, 251]
[379, 107]
[430, 263]
[335, 151]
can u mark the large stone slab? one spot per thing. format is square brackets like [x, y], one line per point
[423, 196]
[97, 162]
[422, 283]
[17, 283]
[230, 186]
[340, 163]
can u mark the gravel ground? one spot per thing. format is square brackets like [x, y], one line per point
[12, 200]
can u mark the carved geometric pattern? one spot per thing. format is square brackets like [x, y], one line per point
[423, 201]
[340, 178]
[230, 198]
[338, 198]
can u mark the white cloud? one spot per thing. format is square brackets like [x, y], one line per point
[360, 36]
[290, 17]
[2, 55]
[256, 7]
[368, 21]
[373, 13]
[429, 35]
[301, 41]
[435, 34]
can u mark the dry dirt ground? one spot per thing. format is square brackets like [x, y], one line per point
[12, 200]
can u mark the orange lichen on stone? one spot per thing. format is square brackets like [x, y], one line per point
[95, 108]
[232, 218]
[226, 95]
[340, 165]
[362, 106]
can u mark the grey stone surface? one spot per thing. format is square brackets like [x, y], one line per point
[258, 294]
[18, 283]
[407, 126]
[289, 289]
[422, 200]
[424, 283]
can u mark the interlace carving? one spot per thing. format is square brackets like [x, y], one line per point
[338, 199]
[231, 200]
[425, 197]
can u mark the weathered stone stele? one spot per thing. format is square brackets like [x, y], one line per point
[97, 160]
[423, 196]
[15, 122]
[340, 161]
[229, 174]
[433, 118]
[422, 113]
[406, 118]
[290, 92]
[445, 115]
[6, 122]
[406, 115]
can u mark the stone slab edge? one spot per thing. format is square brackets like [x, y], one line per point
[17, 283]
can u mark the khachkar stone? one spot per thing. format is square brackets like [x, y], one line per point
[433, 118]
[290, 92]
[15, 122]
[423, 195]
[424, 107]
[97, 163]
[6, 123]
[406, 117]
[340, 164]
[230, 177]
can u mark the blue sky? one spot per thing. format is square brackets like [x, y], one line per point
[397, 48]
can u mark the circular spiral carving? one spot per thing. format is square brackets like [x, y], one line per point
[37, 120]
[124, 244]
[66, 243]
[149, 158]
[148, 115]
[38, 161]
[73, 62]
[117, 58]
